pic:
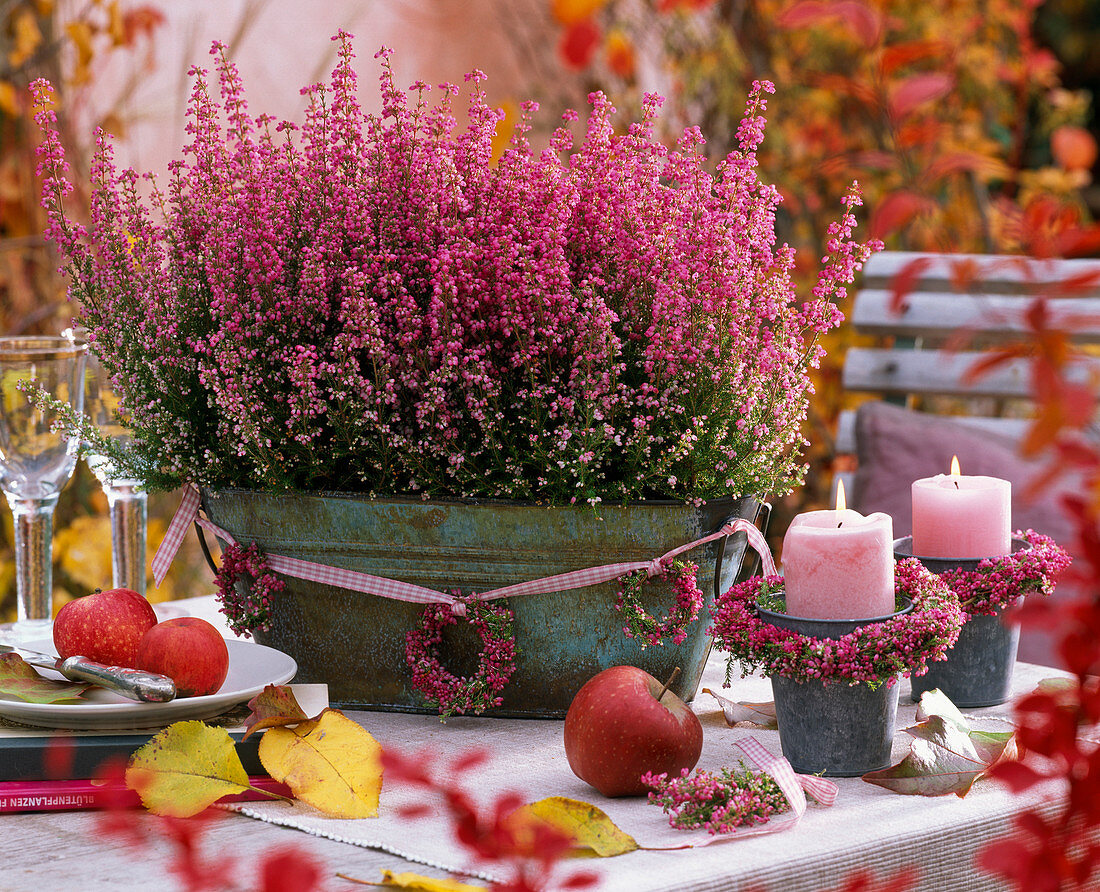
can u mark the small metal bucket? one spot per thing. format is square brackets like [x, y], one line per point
[356, 642]
[834, 728]
[978, 669]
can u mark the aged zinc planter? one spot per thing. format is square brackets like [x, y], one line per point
[355, 642]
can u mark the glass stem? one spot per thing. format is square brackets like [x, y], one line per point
[33, 519]
[128, 503]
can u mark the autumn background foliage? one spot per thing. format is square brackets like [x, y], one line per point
[970, 129]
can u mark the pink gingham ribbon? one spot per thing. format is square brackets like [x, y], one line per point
[794, 787]
[188, 513]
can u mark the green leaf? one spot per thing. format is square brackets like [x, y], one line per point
[186, 768]
[946, 755]
[274, 707]
[19, 680]
[588, 826]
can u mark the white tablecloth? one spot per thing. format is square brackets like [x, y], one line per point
[869, 827]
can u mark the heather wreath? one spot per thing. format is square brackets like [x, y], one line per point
[376, 303]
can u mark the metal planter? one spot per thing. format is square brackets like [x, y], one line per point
[834, 728]
[356, 642]
[978, 669]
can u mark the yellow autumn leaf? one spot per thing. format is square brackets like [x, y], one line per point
[425, 884]
[8, 104]
[83, 551]
[26, 36]
[185, 768]
[330, 762]
[80, 33]
[589, 826]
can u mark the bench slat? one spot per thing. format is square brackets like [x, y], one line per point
[930, 372]
[984, 317]
[997, 274]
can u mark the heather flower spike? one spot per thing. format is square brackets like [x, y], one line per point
[377, 304]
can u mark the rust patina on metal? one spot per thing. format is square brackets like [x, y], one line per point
[356, 643]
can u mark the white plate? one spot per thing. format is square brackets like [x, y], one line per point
[251, 668]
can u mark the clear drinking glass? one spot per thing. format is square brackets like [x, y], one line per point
[35, 464]
[126, 496]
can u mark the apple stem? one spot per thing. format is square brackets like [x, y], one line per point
[671, 680]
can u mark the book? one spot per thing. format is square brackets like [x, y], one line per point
[72, 795]
[48, 754]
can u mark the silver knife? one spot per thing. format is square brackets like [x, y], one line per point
[136, 684]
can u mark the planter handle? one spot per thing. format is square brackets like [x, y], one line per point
[749, 559]
[206, 551]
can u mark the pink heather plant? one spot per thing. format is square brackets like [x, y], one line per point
[376, 304]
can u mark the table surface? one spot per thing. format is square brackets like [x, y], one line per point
[868, 827]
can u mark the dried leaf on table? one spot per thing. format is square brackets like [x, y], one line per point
[589, 827]
[187, 767]
[330, 762]
[18, 679]
[946, 756]
[415, 881]
[274, 707]
[762, 714]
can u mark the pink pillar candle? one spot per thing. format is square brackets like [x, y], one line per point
[839, 565]
[961, 517]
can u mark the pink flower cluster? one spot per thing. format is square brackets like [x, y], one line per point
[997, 582]
[442, 688]
[378, 304]
[688, 598]
[877, 652]
[717, 803]
[247, 606]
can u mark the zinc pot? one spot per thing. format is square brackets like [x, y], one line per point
[355, 642]
[978, 669]
[834, 728]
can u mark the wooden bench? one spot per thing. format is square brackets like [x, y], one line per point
[955, 307]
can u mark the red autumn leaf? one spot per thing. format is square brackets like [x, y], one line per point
[862, 23]
[873, 160]
[620, 55]
[578, 44]
[905, 280]
[1017, 776]
[290, 869]
[896, 210]
[1078, 284]
[918, 89]
[898, 55]
[1073, 147]
[569, 12]
[954, 162]
[921, 133]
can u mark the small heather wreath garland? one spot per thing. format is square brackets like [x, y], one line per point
[246, 611]
[640, 625]
[998, 581]
[441, 688]
[873, 653]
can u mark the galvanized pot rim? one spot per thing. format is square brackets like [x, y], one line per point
[216, 492]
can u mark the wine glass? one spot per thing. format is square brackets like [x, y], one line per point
[36, 461]
[126, 496]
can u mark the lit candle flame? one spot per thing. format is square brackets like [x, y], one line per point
[955, 472]
[841, 502]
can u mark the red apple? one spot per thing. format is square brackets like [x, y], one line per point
[104, 626]
[188, 650]
[617, 729]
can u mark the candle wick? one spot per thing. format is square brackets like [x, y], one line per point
[956, 482]
[839, 525]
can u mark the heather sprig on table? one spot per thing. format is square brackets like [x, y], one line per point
[717, 803]
[377, 304]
